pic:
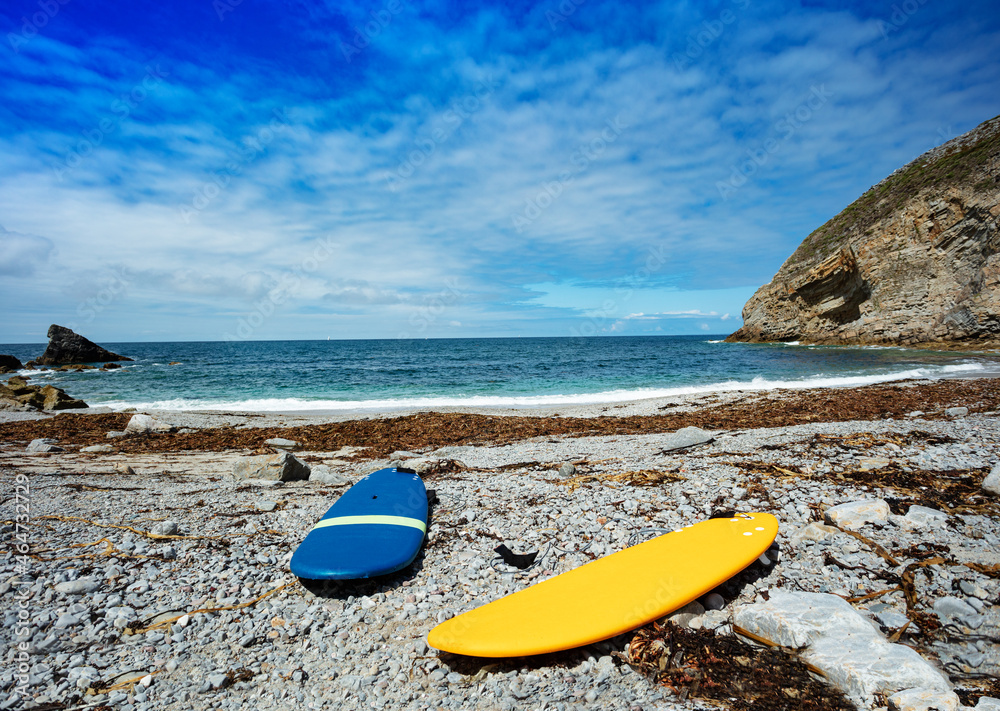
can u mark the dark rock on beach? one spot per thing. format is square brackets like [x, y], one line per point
[9, 364]
[67, 347]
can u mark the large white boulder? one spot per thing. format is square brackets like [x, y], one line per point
[840, 642]
[145, 424]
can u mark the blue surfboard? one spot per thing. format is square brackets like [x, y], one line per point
[375, 528]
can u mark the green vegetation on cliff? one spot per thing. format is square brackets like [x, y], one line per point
[956, 163]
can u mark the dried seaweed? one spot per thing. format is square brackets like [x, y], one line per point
[722, 668]
[955, 491]
[980, 687]
[141, 627]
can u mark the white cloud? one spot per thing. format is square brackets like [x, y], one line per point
[22, 254]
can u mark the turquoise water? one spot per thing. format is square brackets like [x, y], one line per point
[395, 374]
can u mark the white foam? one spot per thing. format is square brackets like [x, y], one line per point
[530, 401]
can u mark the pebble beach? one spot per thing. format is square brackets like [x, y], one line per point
[135, 578]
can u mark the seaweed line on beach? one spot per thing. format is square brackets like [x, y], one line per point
[382, 436]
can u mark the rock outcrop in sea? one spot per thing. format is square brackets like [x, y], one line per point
[9, 364]
[65, 346]
[912, 261]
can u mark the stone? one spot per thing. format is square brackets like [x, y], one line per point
[988, 703]
[403, 455]
[325, 475]
[855, 514]
[145, 424]
[78, 587]
[991, 484]
[684, 438]
[217, 680]
[815, 531]
[796, 620]
[891, 619]
[853, 655]
[98, 449]
[66, 620]
[922, 516]
[421, 465]
[114, 434]
[685, 615]
[282, 466]
[868, 464]
[56, 399]
[18, 385]
[281, 443]
[950, 606]
[44, 445]
[713, 601]
[566, 469]
[10, 404]
[957, 411]
[37, 397]
[165, 528]
[431, 465]
[65, 346]
[919, 699]
[9, 364]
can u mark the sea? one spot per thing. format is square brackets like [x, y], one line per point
[357, 376]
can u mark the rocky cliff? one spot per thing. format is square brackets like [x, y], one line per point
[913, 261]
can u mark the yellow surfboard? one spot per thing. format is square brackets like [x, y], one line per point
[610, 595]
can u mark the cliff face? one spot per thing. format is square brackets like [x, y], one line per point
[915, 260]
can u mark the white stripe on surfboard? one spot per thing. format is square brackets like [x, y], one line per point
[384, 520]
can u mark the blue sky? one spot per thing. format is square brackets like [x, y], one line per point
[260, 170]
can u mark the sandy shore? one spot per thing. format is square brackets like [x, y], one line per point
[157, 526]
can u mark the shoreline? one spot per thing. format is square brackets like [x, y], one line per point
[641, 407]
